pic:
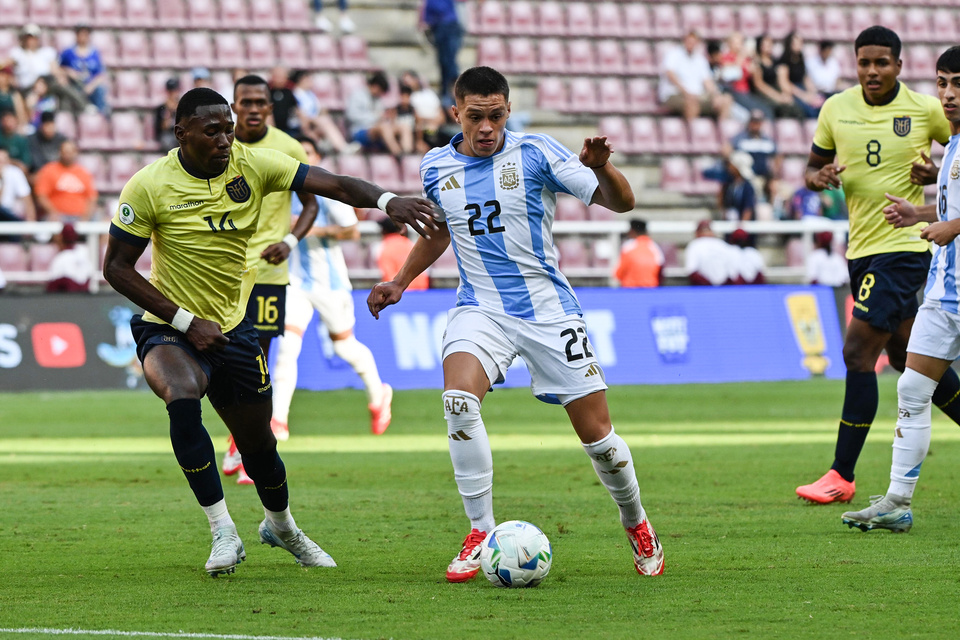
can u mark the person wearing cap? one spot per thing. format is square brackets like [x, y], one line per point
[44, 143]
[749, 262]
[763, 150]
[84, 67]
[32, 61]
[164, 115]
[641, 260]
[824, 265]
[71, 269]
[687, 87]
[708, 260]
[738, 197]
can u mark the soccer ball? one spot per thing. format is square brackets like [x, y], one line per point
[516, 554]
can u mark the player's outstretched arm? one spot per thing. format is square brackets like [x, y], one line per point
[613, 191]
[417, 212]
[903, 213]
[280, 251]
[119, 269]
[823, 172]
[424, 253]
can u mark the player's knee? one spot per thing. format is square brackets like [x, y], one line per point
[461, 410]
[914, 393]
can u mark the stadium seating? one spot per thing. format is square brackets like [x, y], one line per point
[410, 174]
[552, 56]
[12, 13]
[610, 22]
[636, 20]
[790, 137]
[699, 184]
[121, 168]
[353, 53]
[552, 94]
[639, 57]
[261, 52]
[74, 12]
[43, 13]
[325, 86]
[264, 15]
[523, 18]
[675, 174]
[292, 52]
[644, 135]
[202, 14]
[666, 23]
[491, 18]
[354, 254]
[324, 52]
[492, 53]
[693, 17]
[703, 136]
[385, 172]
[354, 166]
[234, 15]
[573, 253]
[13, 257]
[570, 209]
[611, 97]
[522, 55]
[198, 49]
[583, 96]
[751, 21]
[580, 20]
[41, 255]
[806, 23]
[580, 57]
[139, 14]
[674, 135]
[861, 17]
[640, 96]
[167, 50]
[93, 132]
[552, 20]
[130, 91]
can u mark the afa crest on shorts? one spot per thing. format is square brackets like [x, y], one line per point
[901, 125]
[238, 189]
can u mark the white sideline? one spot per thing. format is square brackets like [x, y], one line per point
[155, 634]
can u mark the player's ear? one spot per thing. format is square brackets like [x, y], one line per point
[180, 132]
[456, 113]
[233, 107]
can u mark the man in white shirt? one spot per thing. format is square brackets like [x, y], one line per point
[824, 69]
[686, 83]
[16, 204]
[709, 260]
[32, 61]
[824, 265]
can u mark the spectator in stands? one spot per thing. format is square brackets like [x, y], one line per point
[641, 260]
[709, 261]
[370, 123]
[164, 116]
[16, 199]
[71, 269]
[44, 143]
[32, 61]
[734, 74]
[823, 68]
[427, 111]
[315, 122]
[65, 189]
[824, 265]
[10, 98]
[749, 262]
[793, 79]
[85, 69]
[284, 102]
[686, 83]
[39, 100]
[765, 84]
[738, 198]
[13, 141]
[323, 23]
[763, 150]
[805, 203]
[439, 20]
[394, 247]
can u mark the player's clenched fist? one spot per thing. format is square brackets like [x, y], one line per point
[383, 295]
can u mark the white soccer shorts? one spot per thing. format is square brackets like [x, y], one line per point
[558, 354]
[935, 333]
[335, 308]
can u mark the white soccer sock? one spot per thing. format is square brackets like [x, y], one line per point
[218, 515]
[358, 356]
[284, 374]
[281, 520]
[912, 437]
[471, 457]
[614, 466]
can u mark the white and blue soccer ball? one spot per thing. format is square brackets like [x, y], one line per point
[516, 554]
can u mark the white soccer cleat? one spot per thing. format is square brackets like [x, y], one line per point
[232, 462]
[307, 552]
[890, 512]
[380, 414]
[227, 552]
[647, 552]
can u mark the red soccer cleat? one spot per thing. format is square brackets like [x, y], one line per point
[830, 488]
[647, 552]
[231, 460]
[280, 430]
[467, 563]
[242, 477]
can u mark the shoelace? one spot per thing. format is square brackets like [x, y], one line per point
[644, 539]
[475, 538]
[222, 543]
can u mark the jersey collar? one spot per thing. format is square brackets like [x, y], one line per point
[893, 96]
[196, 175]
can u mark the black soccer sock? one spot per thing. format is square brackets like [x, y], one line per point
[194, 451]
[947, 395]
[269, 475]
[860, 402]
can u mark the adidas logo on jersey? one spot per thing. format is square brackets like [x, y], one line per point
[592, 371]
[450, 184]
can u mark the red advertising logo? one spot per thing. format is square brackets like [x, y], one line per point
[58, 345]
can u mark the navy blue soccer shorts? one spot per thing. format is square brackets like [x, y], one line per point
[885, 287]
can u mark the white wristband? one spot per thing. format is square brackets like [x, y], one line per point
[182, 319]
[291, 241]
[384, 199]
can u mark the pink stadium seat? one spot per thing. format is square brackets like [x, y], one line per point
[324, 52]
[671, 255]
[728, 129]
[410, 174]
[445, 266]
[43, 12]
[93, 162]
[573, 254]
[491, 19]
[74, 12]
[674, 135]
[167, 51]
[666, 24]
[13, 257]
[172, 14]
[552, 56]
[610, 58]
[293, 51]
[750, 20]
[641, 97]
[128, 130]
[523, 18]
[353, 52]
[202, 14]
[197, 48]
[350, 82]
[644, 135]
[861, 17]
[640, 60]
[924, 87]
[355, 166]
[8, 40]
[809, 129]
[385, 172]
[156, 85]
[636, 20]
[583, 96]
[693, 17]
[917, 25]
[229, 49]
[93, 131]
[325, 86]
[122, 166]
[294, 12]
[944, 26]
[265, 15]
[703, 136]
[722, 21]
[796, 256]
[134, 49]
[919, 62]
[63, 39]
[522, 54]
[570, 209]
[234, 15]
[808, 23]
[610, 21]
[611, 97]
[792, 171]
[700, 184]
[41, 255]
[891, 17]
[66, 124]
[130, 91]
[12, 13]
[675, 174]
[552, 94]
[492, 53]
[261, 50]
[599, 213]
[580, 20]
[106, 44]
[552, 22]
[580, 57]
[835, 26]
[790, 137]
[354, 254]
[139, 14]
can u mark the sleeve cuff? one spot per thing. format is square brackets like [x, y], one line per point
[300, 178]
[820, 151]
[129, 238]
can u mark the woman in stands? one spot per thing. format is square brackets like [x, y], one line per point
[765, 84]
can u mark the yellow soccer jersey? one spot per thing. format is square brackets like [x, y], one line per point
[200, 228]
[878, 144]
[274, 212]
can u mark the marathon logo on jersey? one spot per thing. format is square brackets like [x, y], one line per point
[238, 189]
[901, 125]
[671, 334]
[509, 177]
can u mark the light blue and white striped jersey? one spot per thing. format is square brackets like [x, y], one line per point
[941, 290]
[317, 263]
[500, 213]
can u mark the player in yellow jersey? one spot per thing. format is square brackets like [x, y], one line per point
[874, 139]
[273, 241]
[200, 204]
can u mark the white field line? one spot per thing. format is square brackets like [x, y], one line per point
[152, 634]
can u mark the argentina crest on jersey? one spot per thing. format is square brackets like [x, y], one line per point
[901, 125]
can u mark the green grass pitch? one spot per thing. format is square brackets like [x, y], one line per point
[99, 531]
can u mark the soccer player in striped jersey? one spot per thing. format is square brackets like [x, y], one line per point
[496, 191]
[873, 139]
[935, 339]
[319, 280]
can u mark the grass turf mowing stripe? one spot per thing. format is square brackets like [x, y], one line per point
[153, 634]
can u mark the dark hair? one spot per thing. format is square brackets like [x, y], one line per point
[197, 98]
[713, 47]
[48, 116]
[827, 44]
[481, 81]
[388, 226]
[759, 41]
[297, 75]
[251, 80]
[949, 60]
[311, 142]
[880, 37]
[378, 79]
[638, 226]
[405, 90]
[788, 56]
